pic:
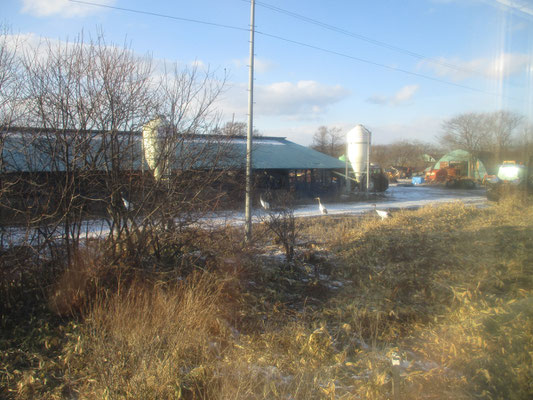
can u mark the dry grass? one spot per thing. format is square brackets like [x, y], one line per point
[451, 287]
[447, 288]
[153, 340]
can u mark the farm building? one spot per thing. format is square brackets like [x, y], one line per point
[466, 163]
[278, 163]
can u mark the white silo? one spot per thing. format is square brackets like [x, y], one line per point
[358, 143]
[152, 144]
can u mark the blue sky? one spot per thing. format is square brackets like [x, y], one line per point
[398, 67]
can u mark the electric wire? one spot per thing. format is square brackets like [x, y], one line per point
[154, 14]
[364, 38]
[280, 38]
[377, 64]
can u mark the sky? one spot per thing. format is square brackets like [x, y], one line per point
[400, 68]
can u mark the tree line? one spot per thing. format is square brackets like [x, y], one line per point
[494, 136]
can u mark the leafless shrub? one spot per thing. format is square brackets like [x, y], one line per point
[280, 220]
[80, 153]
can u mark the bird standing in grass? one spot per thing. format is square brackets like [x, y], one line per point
[126, 203]
[323, 210]
[383, 214]
[265, 204]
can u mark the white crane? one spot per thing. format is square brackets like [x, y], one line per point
[126, 203]
[323, 210]
[265, 204]
[383, 214]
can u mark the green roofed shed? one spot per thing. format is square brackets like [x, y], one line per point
[279, 153]
[468, 164]
[29, 149]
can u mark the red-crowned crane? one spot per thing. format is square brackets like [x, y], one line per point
[265, 204]
[383, 214]
[323, 210]
[127, 204]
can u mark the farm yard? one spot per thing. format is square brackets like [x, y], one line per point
[398, 196]
[155, 246]
[442, 292]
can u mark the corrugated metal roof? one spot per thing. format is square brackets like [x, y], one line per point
[279, 153]
[269, 152]
[203, 151]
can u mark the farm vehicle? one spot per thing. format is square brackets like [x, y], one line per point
[450, 176]
[512, 178]
[379, 181]
[398, 172]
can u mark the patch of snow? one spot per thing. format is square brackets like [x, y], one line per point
[397, 197]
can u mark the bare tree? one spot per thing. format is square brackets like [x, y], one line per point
[81, 152]
[477, 133]
[79, 95]
[235, 128]
[525, 142]
[329, 141]
[9, 76]
[194, 162]
[502, 126]
[403, 153]
[468, 132]
[407, 154]
[280, 220]
[9, 101]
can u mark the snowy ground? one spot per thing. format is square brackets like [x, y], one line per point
[400, 196]
[397, 196]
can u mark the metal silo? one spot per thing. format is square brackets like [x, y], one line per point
[152, 147]
[358, 143]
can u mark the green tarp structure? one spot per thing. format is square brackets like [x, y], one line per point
[476, 169]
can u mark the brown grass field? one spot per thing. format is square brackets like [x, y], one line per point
[446, 289]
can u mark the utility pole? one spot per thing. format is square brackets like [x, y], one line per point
[248, 203]
[368, 161]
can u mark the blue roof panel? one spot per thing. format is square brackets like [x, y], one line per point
[23, 152]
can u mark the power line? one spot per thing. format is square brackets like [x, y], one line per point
[196, 21]
[322, 49]
[377, 64]
[364, 38]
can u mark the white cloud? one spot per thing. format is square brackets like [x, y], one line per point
[501, 66]
[40, 46]
[31, 43]
[297, 99]
[64, 8]
[198, 64]
[402, 96]
[300, 100]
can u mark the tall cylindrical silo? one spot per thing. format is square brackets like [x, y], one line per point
[152, 147]
[358, 142]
